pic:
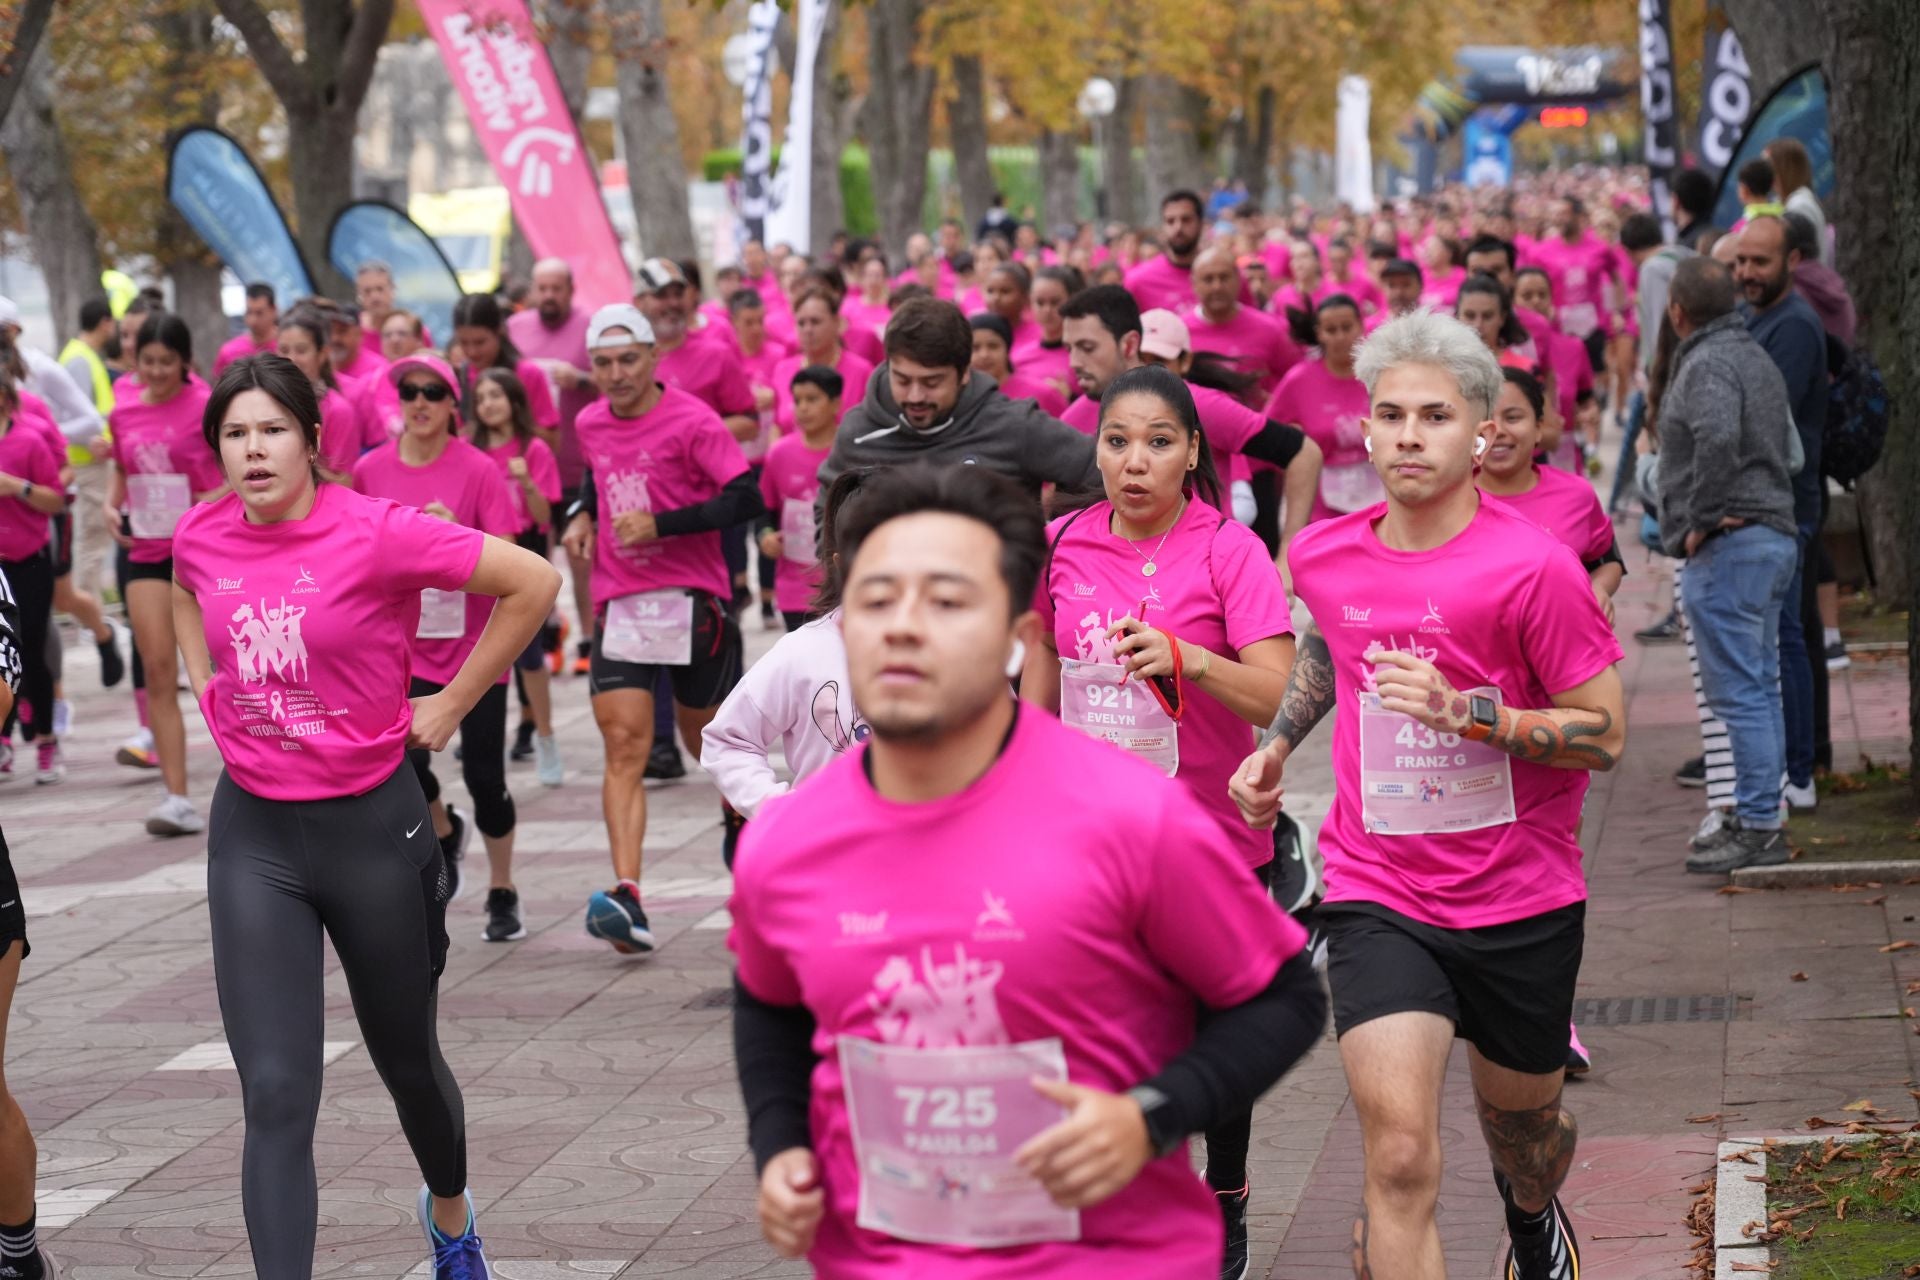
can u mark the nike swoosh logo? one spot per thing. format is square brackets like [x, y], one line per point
[416, 827]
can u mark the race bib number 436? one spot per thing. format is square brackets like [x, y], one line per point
[934, 1134]
[1415, 780]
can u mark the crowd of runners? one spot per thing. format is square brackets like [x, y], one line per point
[1120, 517]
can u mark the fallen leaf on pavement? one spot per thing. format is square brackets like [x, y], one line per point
[1840, 1207]
[1799, 976]
[1876, 901]
[1902, 945]
[1864, 1104]
[1753, 1266]
[1735, 888]
[1815, 1122]
[1708, 1118]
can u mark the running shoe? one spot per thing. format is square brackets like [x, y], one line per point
[461, 1258]
[769, 617]
[1664, 631]
[733, 825]
[1296, 880]
[583, 659]
[137, 752]
[11, 1269]
[1714, 829]
[1800, 798]
[1552, 1254]
[1692, 774]
[62, 717]
[1837, 659]
[664, 763]
[51, 767]
[557, 653]
[1233, 1216]
[1579, 1060]
[503, 917]
[113, 667]
[522, 742]
[453, 846]
[6, 760]
[548, 766]
[1745, 847]
[617, 917]
[174, 816]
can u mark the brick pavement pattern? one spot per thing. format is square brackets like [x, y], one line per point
[604, 1124]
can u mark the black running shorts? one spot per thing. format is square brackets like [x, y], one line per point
[13, 916]
[704, 682]
[1507, 989]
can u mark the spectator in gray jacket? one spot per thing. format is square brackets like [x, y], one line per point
[1726, 505]
[925, 404]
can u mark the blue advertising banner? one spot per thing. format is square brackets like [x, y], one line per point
[1797, 109]
[424, 282]
[222, 196]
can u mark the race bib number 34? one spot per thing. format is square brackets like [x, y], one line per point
[934, 1134]
[1415, 780]
[650, 627]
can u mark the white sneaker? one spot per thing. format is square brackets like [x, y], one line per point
[548, 765]
[62, 717]
[137, 751]
[51, 764]
[174, 816]
[1802, 798]
[6, 760]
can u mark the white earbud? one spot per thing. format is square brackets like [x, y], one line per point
[1479, 446]
[1017, 659]
[1368, 441]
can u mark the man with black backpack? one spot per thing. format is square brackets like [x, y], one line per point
[1789, 329]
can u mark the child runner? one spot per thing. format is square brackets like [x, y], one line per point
[790, 486]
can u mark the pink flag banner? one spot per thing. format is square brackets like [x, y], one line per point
[506, 80]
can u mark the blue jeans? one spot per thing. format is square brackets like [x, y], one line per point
[1796, 673]
[1734, 587]
[1623, 472]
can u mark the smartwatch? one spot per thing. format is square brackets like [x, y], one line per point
[1153, 1107]
[1483, 715]
[26, 490]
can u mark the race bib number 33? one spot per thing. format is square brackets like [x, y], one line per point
[934, 1135]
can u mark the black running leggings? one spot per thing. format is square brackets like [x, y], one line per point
[368, 870]
[32, 581]
[483, 759]
[1229, 1141]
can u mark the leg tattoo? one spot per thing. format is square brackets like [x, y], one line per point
[1362, 1269]
[1533, 1148]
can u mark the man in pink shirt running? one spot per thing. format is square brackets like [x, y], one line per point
[1476, 681]
[962, 1059]
[1166, 280]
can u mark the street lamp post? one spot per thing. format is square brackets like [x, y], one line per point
[1095, 104]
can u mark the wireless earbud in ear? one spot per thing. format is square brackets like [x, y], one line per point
[1368, 442]
[1479, 446]
[1017, 659]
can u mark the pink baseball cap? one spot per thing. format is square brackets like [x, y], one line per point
[427, 362]
[1163, 334]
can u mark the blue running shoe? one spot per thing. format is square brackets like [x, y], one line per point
[461, 1258]
[617, 917]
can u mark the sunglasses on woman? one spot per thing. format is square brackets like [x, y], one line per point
[435, 392]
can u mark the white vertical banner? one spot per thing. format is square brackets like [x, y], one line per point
[1353, 146]
[790, 211]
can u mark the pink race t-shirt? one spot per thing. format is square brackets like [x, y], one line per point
[309, 625]
[239, 347]
[871, 316]
[1158, 282]
[1021, 386]
[1362, 290]
[26, 455]
[542, 470]
[1501, 604]
[533, 376]
[1578, 272]
[853, 371]
[1567, 507]
[367, 363]
[465, 481]
[1330, 411]
[1256, 342]
[1214, 586]
[1441, 291]
[164, 440]
[711, 372]
[567, 343]
[344, 433]
[1048, 364]
[676, 454]
[789, 483]
[976, 940]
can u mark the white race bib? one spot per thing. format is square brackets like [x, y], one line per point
[155, 503]
[1094, 701]
[1353, 486]
[934, 1134]
[1415, 780]
[797, 531]
[654, 627]
[443, 615]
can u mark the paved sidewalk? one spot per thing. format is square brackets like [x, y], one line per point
[604, 1123]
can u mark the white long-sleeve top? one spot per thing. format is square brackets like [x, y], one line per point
[73, 410]
[799, 696]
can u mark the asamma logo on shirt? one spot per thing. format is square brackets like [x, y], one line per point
[1431, 623]
[995, 922]
[305, 585]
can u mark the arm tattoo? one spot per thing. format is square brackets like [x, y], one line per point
[1554, 737]
[1309, 694]
[1534, 1149]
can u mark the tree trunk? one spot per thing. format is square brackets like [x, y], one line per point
[569, 45]
[967, 135]
[897, 126]
[66, 244]
[655, 172]
[22, 39]
[1116, 161]
[196, 299]
[830, 124]
[1173, 144]
[321, 92]
[1059, 181]
[1251, 166]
